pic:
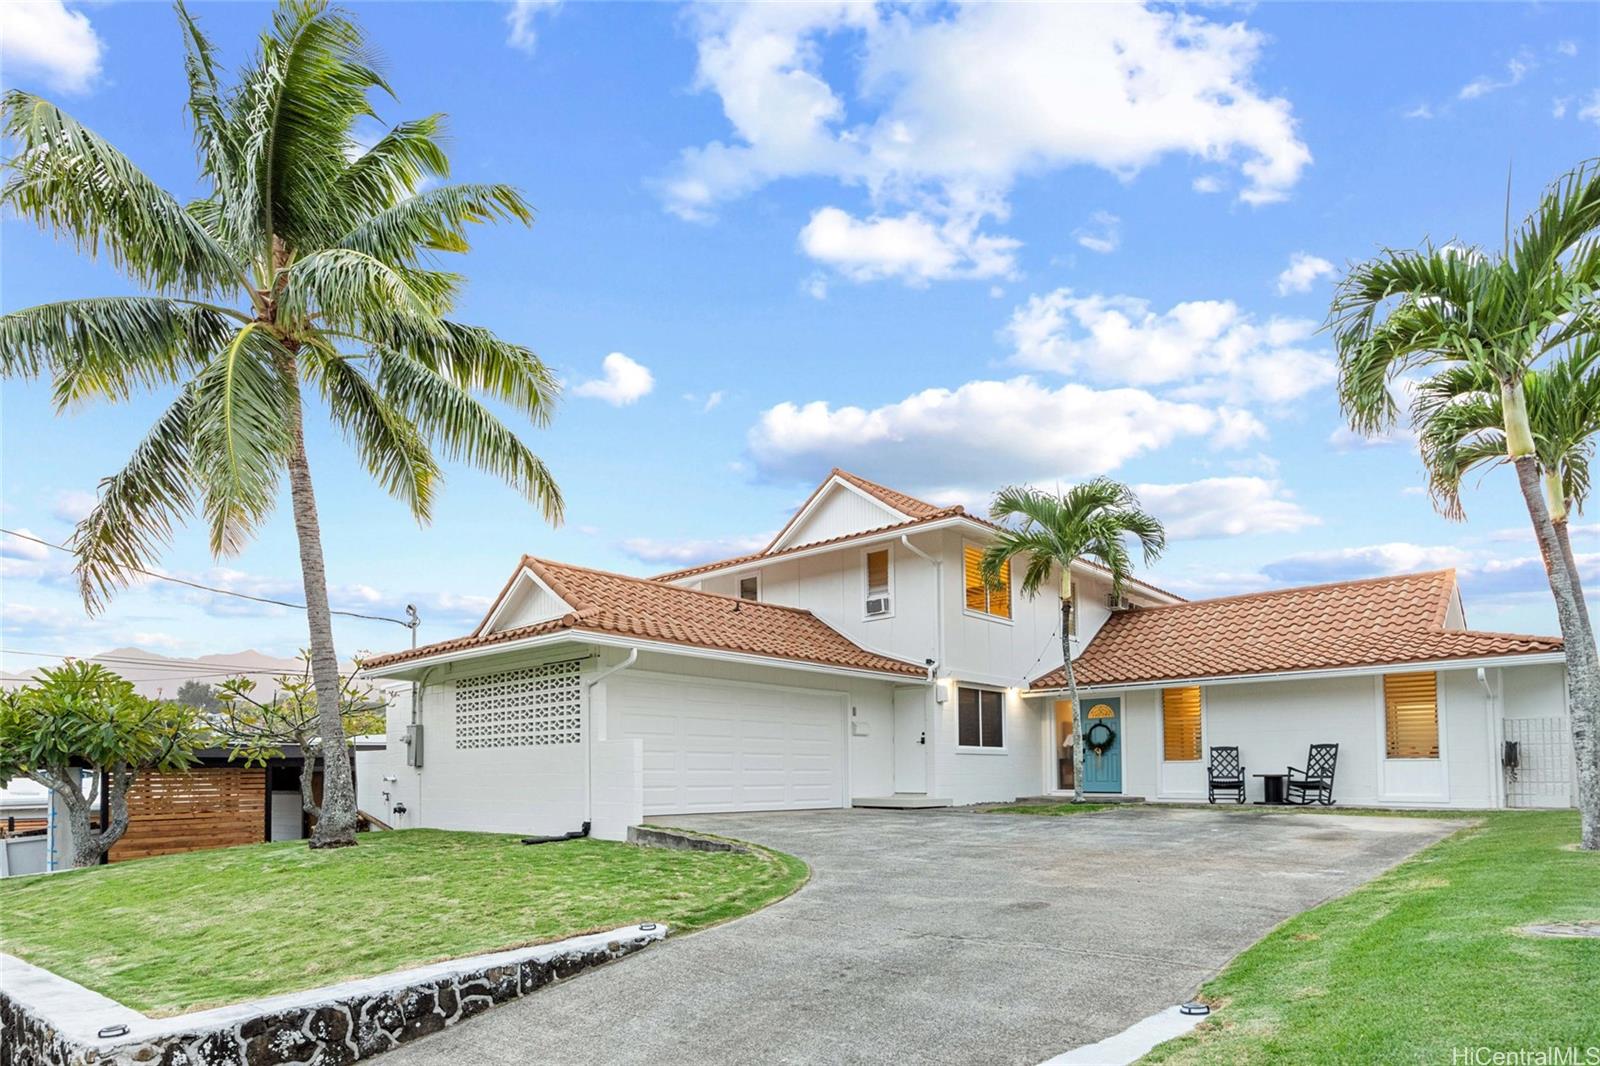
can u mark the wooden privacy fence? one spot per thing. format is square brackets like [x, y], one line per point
[207, 807]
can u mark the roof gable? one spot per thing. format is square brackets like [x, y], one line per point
[525, 600]
[1375, 622]
[846, 504]
[616, 604]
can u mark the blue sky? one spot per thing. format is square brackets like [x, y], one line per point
[947, 248]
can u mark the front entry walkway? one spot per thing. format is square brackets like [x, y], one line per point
[948, 937]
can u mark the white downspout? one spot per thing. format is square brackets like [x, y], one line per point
[938, 605]
[1491, 711]
[588, 752]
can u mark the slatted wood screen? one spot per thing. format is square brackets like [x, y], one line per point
[208, 807]
[1180, 724]
[1411, 715]
[980, 597]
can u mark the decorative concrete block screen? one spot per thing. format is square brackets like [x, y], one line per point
[535, 705]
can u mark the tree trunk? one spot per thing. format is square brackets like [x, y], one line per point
[1564, 538]
[336, 823]
[1072, 693]
[1583, 662]
[308, 774]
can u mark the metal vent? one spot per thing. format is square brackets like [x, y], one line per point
[536, 705]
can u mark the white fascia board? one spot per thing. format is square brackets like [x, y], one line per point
[894, 533]
[580, 636]
[524, 574]
[1534, 659]
[816, 500]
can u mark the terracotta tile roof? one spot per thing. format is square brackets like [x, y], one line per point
[1352, 623]
[615, 604]
[909, 506]
[843, 538]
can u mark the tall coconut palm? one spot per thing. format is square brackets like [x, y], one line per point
[304, 277]
[1094, 521]
[1497, 316]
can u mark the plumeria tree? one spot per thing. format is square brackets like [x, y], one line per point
[1098, 521]
[82, 720]
[304, 280]
[1491, 319]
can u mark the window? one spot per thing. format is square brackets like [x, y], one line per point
[1411, 715]
[980, 597]
[980, 718]
[1180, 724]
[750, 587]
[879, 601]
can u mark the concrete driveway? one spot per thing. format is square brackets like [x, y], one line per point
[948, 937]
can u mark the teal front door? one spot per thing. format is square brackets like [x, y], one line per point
[1102, 770]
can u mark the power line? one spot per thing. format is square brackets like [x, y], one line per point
[186, 667]
[410, 623]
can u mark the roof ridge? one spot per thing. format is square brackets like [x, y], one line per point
[1269, 593]
[878, 489]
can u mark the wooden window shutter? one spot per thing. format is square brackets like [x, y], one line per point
[1411, 715]
[1180, 724]
[878, 571]
[972, 568]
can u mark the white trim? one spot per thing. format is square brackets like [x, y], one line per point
[487, 625]
[866, 587]
[906, 528]
[834, 480]
[1005, 730]
[1011, 599]
[1441, 761]
[583, 636]
[1532, 659]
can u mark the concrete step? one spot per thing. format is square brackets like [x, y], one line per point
[1088, 797]
[900, 801]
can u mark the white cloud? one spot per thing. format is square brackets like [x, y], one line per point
[1207, 183]
[71, 505]
[952, 104]
[1558, 106]
[1373, 560]
[520, 22]
[680, 553]
[707, 403]
[1517, 68]
[19, 548]
[46, 37]
[1302, 272]
[624, 383]
[1103, 234]
[987, 433]
[1420, 111]
[816, 286]
[1590, 111]
[1224, 507]
[1209, 348]
[1567, 48]
[910, 247]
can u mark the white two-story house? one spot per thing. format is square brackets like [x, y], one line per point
[858, 660]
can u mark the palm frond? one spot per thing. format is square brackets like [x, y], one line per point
[240, 435]
[464, 430]
[351, 292]
[137, 508]
[434, 220]
[478, 361]
[392, 170]
[216, 137]
[1093, 520]
[70, 181]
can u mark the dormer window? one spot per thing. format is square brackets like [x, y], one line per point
[750, 588]
[879, 594]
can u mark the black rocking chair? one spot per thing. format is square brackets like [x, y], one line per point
[1226, 774]
[1314, 784]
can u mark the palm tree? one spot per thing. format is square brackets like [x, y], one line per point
[1093, 521]
[1461, 428]
[308, 267]
[1497, 316]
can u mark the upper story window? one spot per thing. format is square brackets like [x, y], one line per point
[980, 718]
[1411, 716]
[980, 597]
[750, 587]
[1180, 724]
[880, 597]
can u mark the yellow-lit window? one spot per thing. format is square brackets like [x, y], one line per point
[1411, 715]
[1180, 724]
[980, 596]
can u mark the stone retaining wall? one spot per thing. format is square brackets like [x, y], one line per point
[46, 1020]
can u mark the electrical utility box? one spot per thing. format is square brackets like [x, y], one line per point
[414, 745]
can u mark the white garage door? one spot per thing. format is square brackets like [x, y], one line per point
[722, 746]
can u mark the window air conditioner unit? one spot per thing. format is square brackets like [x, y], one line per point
[877, 605]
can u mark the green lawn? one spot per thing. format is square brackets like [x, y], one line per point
[1053, 810]
[1423, 960]
[180, 932]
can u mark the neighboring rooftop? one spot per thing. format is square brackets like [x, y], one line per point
[616, 604]
[1375, 622]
